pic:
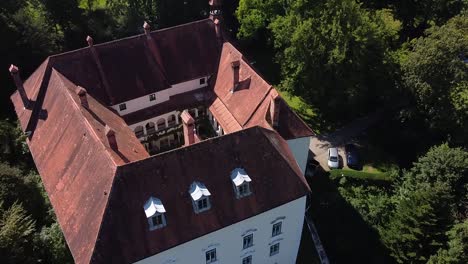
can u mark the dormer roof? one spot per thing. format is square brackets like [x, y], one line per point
[239, 176]
[198, 190]
[153, 206]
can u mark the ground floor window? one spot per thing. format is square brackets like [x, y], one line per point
[211, 256]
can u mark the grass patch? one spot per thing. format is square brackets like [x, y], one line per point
[303, 109]
[361, 175]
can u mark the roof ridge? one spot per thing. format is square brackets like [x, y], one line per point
[94, 134]
[85, 120]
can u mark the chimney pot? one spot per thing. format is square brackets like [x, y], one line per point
[90, 41]
[147, 29]
[81, 92]
[275, 108]
[110, 134]
[14, 71]
[189, 128]
[235, 73]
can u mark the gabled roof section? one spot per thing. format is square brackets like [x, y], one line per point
[252, 89]
[130, 66]
[263, 154]
[224, 117]
[290, 125]
[76, 170]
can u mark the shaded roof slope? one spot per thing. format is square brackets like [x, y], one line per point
[188, 52]
[263, 154]
[76, 172]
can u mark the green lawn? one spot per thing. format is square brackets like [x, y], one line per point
[304, 110]
[362, 175]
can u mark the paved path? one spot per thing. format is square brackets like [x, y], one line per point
[315, 237]
[320, 144]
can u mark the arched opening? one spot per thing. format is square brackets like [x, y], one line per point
[139, 132]
[161, 124]
[150, 128]
[171, 120]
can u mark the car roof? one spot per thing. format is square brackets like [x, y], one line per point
[333, 151]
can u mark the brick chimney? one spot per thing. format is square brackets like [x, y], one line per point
[147, 29]
[111, 139]
[14, 71]
[81, 92]
[218, 30]
[189, 128]
[275, 108]
[235, 74]
[90, 41]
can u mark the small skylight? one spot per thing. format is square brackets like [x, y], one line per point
[154, 211]
[241, 182]
[200, 197]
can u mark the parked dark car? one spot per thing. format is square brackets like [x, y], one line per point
[352, 158]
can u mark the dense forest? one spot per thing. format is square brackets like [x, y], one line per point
[344, 59]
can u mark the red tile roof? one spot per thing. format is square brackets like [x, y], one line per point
[95, 189]
[263, 154]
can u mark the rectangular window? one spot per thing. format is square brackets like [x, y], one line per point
[211, 256]
[122, 107]
[202, 81]
[274, 249]
[152, 97]
[157, 221]
[247, 260]
[202, 204]
[248, 241]
[276, 229]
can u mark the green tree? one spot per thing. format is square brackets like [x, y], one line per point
[16, 235]
[335, 54]
[53, 242]
[457, 250]
[435, 72]
[417, 227]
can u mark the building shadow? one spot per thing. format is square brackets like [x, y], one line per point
[346, 237]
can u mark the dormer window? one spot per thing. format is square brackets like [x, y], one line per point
[123, 106]
[241, 182]
[154, 211]
[200, 197]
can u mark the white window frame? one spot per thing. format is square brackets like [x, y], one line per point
[154, 226]
[247, 260]
[243, 190]
[122, 106]
[247, 241]
[274, 249]
[199, 209]
[209, 256]
[275, 231]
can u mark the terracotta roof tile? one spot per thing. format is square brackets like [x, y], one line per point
[224, 117]
[263, 154]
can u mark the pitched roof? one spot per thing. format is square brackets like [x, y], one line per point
[89, 183]
[249, 104]
[263, 154]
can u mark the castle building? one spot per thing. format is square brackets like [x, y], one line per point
[167, 147]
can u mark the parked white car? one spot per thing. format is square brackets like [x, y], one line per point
[333, 160]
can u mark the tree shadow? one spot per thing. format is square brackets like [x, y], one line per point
[346, 237]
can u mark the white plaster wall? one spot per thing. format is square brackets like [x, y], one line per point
[161, 96]
[300, 150]
[228, 241]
